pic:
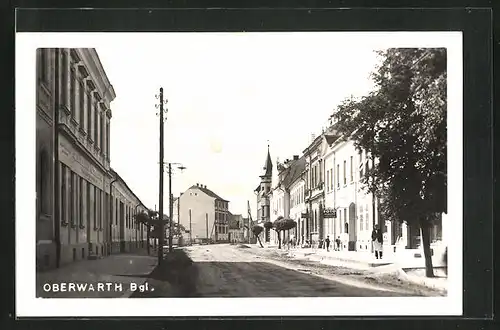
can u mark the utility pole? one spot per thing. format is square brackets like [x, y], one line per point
[249, 220]
[206, 223]
[162, 227]
[190, 236]
[170, 207]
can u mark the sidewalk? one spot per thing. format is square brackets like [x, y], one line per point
[408, 268]
[90, 278]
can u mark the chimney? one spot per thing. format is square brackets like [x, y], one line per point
[197, 185]
[295, 157]
[313, 136]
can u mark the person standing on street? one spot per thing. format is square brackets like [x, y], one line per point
[327, 241]
[338, 243]
[377, 241]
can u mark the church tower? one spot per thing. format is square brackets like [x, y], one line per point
[264, 190]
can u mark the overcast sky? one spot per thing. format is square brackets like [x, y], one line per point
[228, 94]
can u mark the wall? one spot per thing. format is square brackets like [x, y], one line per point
[45, 236]
[352, 202]
[298, 206]
[200, 205]
[127, 234]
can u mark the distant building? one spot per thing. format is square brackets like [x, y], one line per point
[204, 215]
[236, 229]
[314, 186]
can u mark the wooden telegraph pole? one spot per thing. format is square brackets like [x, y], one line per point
[162, 226]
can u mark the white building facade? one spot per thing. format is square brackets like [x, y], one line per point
[203, 214]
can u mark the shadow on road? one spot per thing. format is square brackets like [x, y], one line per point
[175, 277]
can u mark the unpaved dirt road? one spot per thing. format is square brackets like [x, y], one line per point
[227, 271]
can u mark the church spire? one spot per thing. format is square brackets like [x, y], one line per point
[268, 167]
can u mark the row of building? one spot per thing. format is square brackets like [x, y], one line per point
[206, 218]
[84, 208]
[322, 190]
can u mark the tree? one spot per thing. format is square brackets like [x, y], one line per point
[268, 225]
[402, 124]
[257, 230]
[148, 219]
[281, 225]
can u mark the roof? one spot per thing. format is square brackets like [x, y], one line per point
[268, 166]
[313, 144]
[119, 178]
[208, 192]
[295, 171]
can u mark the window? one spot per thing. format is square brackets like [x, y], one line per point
[101, 144]
[89, 201]
[328, 181]
[82, 193]
[72, 197]
[106, 207]
[316, 177]
[346, 228]
[361, 221]
[89, 116]
[72, 92]
[320, 170]
[351, 169]
[338, 177]
[96, 123]
[331, 179]
[81, 95]
[344, 170]
[366, 168]
[94, 208]
[64, 198]
[367, 217]
[100, 208]
[44, 175]
[116, 211]
[360, 156]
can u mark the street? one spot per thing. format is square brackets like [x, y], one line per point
[228, 271]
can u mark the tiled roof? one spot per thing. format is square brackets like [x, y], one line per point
[208, 192]
[293, 171]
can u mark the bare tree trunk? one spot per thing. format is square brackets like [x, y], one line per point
[148, 238]
[258, 238]
[426, 244]
[279, 240]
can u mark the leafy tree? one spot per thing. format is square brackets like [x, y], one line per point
[268, 225]
[148, 219]
[402, 126]
[281, 225]
[257, 230]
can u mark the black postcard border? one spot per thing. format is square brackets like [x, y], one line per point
[476, 24]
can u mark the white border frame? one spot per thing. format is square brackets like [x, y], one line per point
[27, 305]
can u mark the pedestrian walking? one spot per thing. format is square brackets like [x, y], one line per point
[327, 241]
[377, 241]
[338, 243]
